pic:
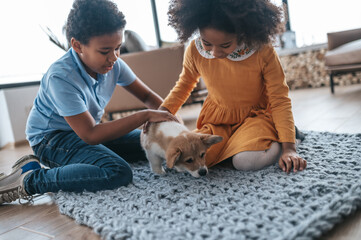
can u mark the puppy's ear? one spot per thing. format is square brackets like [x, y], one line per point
[209, 139]
[172, 156]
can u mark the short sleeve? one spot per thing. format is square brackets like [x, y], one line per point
[126, 75]
[66, 98]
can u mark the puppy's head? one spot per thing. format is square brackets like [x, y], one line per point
[187, 151]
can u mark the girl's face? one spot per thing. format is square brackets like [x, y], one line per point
[100, 54]
[219, 43]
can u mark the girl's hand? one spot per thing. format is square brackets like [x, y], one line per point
[290, 158]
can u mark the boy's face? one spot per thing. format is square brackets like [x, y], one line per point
[100, 54]
[219, 43]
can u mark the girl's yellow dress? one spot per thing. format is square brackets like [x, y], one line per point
[247, 103]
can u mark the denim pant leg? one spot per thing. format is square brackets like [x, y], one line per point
[76, 166]
[128, 146]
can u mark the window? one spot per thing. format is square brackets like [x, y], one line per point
[167, 33]
[139, 18]
[26, 52]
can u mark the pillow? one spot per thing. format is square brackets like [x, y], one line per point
[133, 42]
[349, 53]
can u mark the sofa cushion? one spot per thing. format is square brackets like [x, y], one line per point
[133, 42]
[349, 53]
[159, 69]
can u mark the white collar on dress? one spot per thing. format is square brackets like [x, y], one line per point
[242, 52]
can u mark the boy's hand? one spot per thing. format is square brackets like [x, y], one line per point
[158, 116]
[179, 118]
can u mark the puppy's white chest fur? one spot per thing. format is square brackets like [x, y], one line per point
[159, 136]
[171, 129]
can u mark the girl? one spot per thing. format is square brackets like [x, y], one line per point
[248, 101]
[63, 127]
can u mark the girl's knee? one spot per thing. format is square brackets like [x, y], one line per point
[242, 162]
[256, 160]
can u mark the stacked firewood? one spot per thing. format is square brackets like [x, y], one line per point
[307, 70]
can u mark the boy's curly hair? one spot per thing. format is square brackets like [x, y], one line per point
[89, 18]
[255, 22]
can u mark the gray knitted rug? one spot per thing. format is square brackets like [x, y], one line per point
[229, 204]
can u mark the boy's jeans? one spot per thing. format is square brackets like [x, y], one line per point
[76, 166]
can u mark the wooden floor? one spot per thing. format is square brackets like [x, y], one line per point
[314, 109]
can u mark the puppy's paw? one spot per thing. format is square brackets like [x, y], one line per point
[159, 171]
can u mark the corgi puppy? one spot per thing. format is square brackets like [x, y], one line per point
[181, 148]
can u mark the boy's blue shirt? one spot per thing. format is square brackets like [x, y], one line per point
[67, 89]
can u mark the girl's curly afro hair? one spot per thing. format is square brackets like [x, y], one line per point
[89, 18]
[255, 22]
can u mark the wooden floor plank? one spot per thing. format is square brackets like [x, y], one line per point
[10, 155]
[77, 232]
[319, 124]
[319, 110]
[56, 225]
[22, 234]
[20, 215]
[351, 125]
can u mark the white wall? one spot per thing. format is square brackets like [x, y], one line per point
[6, 135]
[15, 105]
